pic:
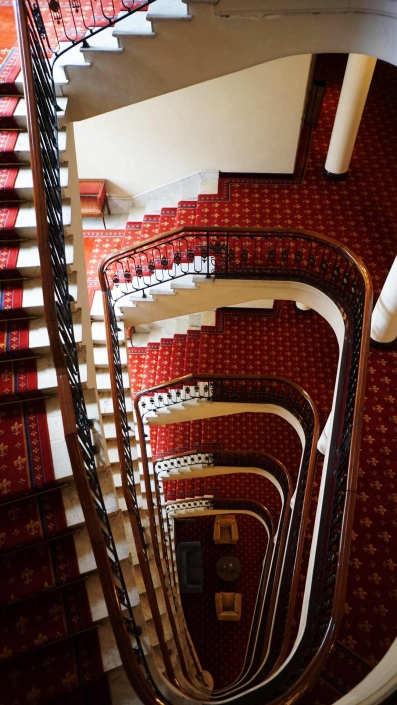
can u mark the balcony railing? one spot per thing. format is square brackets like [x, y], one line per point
[281, 255]
[62, 24]
[271, 572]
[265, 390]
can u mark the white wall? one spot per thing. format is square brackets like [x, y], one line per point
[248, 121]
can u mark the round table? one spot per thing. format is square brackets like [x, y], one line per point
[228, 568]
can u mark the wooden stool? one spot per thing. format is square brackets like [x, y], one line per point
[93, 198]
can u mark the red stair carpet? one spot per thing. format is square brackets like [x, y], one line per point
[361, 212]
[49, 648]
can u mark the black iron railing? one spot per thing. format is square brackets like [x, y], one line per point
[62, 24]
[257, 390]
[236, 253]
[273, 392]
[43, 131]
[322, 263]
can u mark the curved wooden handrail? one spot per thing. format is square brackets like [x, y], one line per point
[164, 238]
[250, 459]
[354, 299]
[244, 379]
[132, 668]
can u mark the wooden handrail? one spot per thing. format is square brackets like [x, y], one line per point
[359, 329]
[184, 380]
[132, 668]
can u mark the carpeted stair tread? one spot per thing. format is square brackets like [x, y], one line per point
[97, 244]
[30, 520]
[8, 216]
[177, 366]
[132, 234]
[17, 378]
[192, 352]
[47, 618]
[8, 140]
[150, 226]
[53, 671]
[29, 572]
[167, 220]
[8, 256]
[164, 360]
[150, 365]
[25, 453]
[136, 364]
[14, 340]
[186, 213]
[8, 177]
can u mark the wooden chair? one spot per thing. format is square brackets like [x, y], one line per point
[93, 198]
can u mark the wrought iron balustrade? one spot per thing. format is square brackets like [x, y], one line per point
[272, 392]
[322, 263]
[62, 24]
[42, 126]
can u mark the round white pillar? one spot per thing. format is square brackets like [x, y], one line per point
[356, 83]
[384, 316]
[324, 438]
[302, 307]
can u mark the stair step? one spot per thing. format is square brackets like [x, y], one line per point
[26, 219]
[23, 187]
[28, 262]
[22, 147]
[99, 331]
[134, 24]
[38, 332]
[32, 295]
[20, 111]
[101, 358]
[106, 402]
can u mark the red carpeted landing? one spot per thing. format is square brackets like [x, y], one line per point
[362, 212]
[249, 431]
[221, 645]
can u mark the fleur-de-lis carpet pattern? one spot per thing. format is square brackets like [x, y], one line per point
[362, 213]
[49, 647]
[221, 645]
[242, 485]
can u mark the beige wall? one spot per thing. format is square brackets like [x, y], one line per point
[248, 121]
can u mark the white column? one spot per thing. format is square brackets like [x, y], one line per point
[324, 438]
[356, 83]
[384, 316]
[302, 307]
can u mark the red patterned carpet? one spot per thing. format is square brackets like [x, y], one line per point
[249, 431]
[242, 485]
[361, 212]
[49, 648]
[221, 645]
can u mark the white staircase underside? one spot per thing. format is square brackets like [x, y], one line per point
[206, 41]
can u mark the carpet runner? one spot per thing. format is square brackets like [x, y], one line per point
[97, 244]
[49, 647]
